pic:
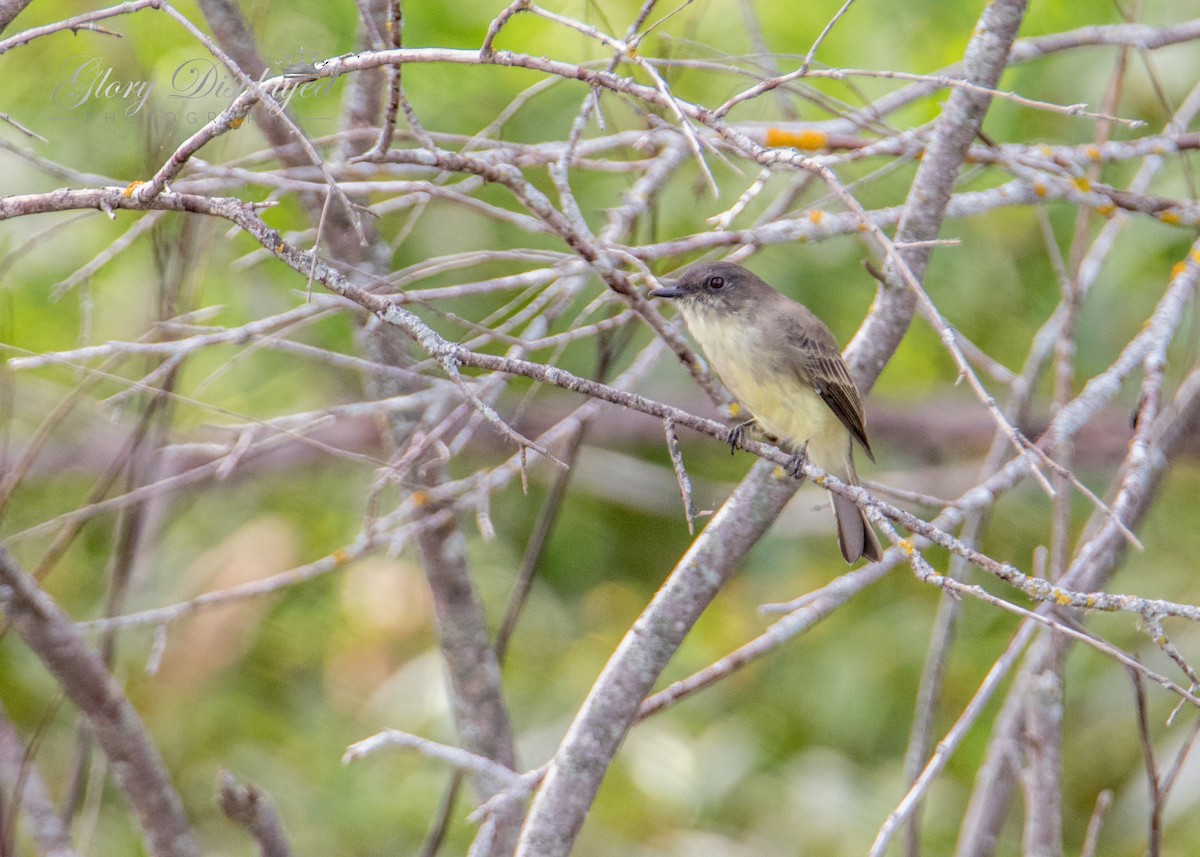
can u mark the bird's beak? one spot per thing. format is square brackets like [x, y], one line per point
[670, 289]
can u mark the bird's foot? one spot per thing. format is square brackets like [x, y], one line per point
[735, 435]
[795, 465]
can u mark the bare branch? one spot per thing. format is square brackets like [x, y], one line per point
[137, 765]
[253, 809]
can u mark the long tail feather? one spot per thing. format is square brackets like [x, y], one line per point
[855, 536]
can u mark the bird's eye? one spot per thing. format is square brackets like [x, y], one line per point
[716, 282]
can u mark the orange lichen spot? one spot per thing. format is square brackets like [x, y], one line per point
[969, 159]
[778, 138]
[1106, 210]
[862, 227]
[907, 546]
[1039, 189]
[816, 215]
[1195, 256]
[920, 156]
[420, 498]
[131, 187]
[809, 139]
[1047, 151]
[234, 124]
[1092, 152]
[1170, 217]
[280, 247]
[735, 409]
[340, 556]
[632, 51]
[1063, 599]
[1177, 269]
[812, 140]
[1082, 184]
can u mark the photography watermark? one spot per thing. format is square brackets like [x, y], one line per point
[195, 92]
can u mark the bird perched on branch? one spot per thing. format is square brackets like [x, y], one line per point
[783, 364]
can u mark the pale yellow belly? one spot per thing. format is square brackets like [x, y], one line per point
[779, 402]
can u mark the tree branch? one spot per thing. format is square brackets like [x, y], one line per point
[137, 765]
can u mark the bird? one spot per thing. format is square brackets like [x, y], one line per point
[783, 364]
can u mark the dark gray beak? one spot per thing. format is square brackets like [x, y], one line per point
[670, 289]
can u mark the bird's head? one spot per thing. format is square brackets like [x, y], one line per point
[713, 286]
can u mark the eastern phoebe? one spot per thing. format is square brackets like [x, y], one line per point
[784, 366]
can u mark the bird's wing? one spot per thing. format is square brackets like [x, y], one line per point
[813, 355]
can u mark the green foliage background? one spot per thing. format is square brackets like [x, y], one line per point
[800, 753]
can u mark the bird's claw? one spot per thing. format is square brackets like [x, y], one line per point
[795, 465]
[734, 436]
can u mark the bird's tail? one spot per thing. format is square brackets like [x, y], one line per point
[855, 536]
